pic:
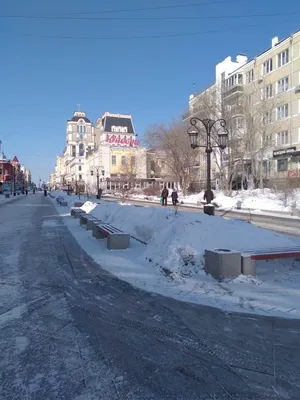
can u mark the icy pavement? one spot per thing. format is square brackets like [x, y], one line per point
[69, 330]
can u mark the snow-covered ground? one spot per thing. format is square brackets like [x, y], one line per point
[172, 261]
[266, 200]
[4, 200]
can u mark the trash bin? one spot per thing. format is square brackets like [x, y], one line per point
[209, 209]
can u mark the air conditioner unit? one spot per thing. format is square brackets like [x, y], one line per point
[297, 89]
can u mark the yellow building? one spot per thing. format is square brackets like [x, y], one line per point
[260, 100]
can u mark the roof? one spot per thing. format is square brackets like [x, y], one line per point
[15, 159]
[76, 119]
[109, 122]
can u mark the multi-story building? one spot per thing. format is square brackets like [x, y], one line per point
[260, 100]
[79, 141]
[113, 158]
[107, 155]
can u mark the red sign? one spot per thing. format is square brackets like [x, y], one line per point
[122, 141]
[292, 173]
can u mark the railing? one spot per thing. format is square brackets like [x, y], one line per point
[236, 89]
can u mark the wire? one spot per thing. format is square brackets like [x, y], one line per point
[171, 35]
[174, 6]
[149, 18]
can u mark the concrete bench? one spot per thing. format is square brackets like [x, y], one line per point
[76, 212]
[248, 257]
[116, 239]
[78, 204]
[59, 198]
[84, 218]
[63, 203]
[91, 223]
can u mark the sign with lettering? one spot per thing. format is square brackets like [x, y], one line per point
[284, 152]
[118, 140]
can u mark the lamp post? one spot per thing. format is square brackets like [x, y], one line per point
[14, 179]
[98, 176]
[219, 127]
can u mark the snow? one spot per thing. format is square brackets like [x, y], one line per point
[172, 262]
[264, 200]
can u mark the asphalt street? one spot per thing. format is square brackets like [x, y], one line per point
[71, 331]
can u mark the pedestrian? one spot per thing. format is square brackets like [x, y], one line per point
[45, 192]
[99, 193]
[33, 191]
[164, 196]
[174, 196]
[208, 196]
[26, 191]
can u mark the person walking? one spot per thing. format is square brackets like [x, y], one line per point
[164, 196]
[26, 191]
[174, 196]
[208, 195]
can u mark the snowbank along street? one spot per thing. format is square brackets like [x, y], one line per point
[172, 260]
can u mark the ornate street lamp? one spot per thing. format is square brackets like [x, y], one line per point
[219, 126]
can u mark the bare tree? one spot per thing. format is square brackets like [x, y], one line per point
[171, 145]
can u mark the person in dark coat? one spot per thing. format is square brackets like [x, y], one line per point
[164, 196]
[208, 196]
[26, 191]
[174, 196]
[45, 192]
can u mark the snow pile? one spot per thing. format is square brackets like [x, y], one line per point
[177, 240]
[257, 199]
[172, 261]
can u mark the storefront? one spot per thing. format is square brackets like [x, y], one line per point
[287, 162]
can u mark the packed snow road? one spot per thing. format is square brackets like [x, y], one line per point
[71, 331]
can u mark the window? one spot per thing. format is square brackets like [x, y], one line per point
[266, 141]
[123, 161]
[133, 161]
[282, 112]
[267, 118]
[80, 177]
[282, 138]
[81, 136]
[73, 151]
[233, 80]
[282, 165]
[283, 58]
[283, 85]
[238, 123]
[250, 99]
[268, 92]
[81, 150]
[79, 168]
[250, 76]
[267, 66]
[114, 160]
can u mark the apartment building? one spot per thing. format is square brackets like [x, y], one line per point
[260, 100]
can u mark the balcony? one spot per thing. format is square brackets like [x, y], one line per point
[235, 90]
[195, 112]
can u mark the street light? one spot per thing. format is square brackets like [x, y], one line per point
[222, 134]
[98, 176]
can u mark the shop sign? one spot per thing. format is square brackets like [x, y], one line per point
[284, 152]
[119, 140]
[6, 188]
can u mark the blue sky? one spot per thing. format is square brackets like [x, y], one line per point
[49, 65]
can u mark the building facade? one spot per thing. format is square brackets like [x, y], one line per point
[107, 155]
[260, 100]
